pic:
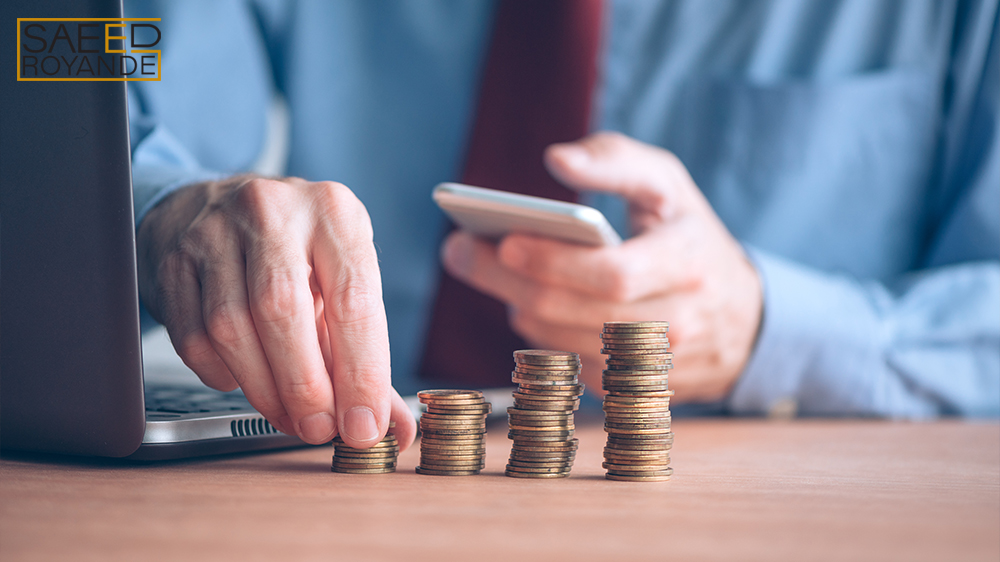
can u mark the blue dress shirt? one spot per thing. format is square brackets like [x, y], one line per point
[852, 146]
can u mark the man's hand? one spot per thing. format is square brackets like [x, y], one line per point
[274, 286]
[682, 266]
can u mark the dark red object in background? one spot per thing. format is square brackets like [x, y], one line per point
[537, 90]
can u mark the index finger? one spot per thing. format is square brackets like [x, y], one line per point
[638, 268]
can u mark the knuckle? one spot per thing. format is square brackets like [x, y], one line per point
[302, 393]
[337, 201]
[261, 201]
[279, 298]
[355, 303]
[195, 348]
[228, 324]
[611, 143]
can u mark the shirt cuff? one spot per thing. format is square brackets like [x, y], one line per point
[152, 184]
[818, 339]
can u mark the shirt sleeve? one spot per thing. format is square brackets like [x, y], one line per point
[925, 344]
[160, 163]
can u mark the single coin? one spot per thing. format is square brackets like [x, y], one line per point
[636, 418]
[542, 455]
[634, 387]
[614, 398]
[448, 408]
[456, 440]
[531, 448]
[535, 475]
[536, 421]
[544, 355]
[537, 425]
[536, 383]
[451, 424]
[630, 443]
[617, 362]
[448, 394]
[638, 424]
[432, 472]
[545, 397]
[623, 454]
[528, 431]
[611, 407]
[562, 370]
[539, 432]
[636, 325]
[632, 346]
[627, 343]
[623, 466]
[449, 453]
[658, 472]
[650, 378]
[576, 387]
[346, 455]
[537, 470]
[637, 478]
[363, 471]
[349, 463]
[634, 336]
[562, 377]
[452, 464]
[561, 394]
[559, 466]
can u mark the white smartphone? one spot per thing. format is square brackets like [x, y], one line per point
[493, 214]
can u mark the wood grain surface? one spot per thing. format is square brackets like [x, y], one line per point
[742, 490]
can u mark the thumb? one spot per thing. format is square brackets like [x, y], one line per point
[652, 179]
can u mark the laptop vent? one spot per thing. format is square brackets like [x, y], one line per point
[252, 426]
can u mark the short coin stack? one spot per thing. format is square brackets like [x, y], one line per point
[541, 421]
[637, 406]
[453, 431]
[377, 459]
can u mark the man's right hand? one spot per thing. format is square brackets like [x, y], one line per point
[274, 286]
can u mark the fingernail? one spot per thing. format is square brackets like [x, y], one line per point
[574, 156]
[458, 254]
[359, 424]
[316, 428]
[513, 255]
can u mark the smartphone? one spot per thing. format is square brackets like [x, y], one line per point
[493, 214]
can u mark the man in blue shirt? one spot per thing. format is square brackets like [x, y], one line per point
[814, 190]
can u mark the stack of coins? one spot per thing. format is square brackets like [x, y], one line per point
[452, 432]
[637, 406]
[541, 421]
[377, 459]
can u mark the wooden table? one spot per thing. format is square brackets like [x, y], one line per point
[742, 490]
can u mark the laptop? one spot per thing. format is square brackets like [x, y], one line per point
[71, 373]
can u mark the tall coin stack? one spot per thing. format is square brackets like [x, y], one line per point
[377, 459]
[452, 432]
[637, 406]
[541, 421]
